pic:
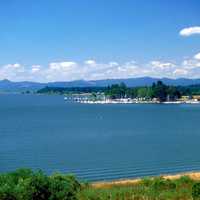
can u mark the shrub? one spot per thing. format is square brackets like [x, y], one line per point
[7, 193]
[196, 191]
[184, 181]
[146, 182]
[19, 174]
[63, 187]
[25, 184]
[159, 184]
[37, 187]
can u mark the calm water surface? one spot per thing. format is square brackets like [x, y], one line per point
[97, 142]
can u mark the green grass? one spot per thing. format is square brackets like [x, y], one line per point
[147, 189]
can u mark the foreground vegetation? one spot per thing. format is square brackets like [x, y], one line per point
[25, 184]
[158, 188]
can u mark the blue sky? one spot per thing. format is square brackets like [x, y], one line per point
[95, 39]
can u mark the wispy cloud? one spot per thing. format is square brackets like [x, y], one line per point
[180, 72]
[162, 65]
[190, 31]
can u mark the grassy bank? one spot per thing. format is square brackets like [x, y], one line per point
[179, 187]
[25, 184]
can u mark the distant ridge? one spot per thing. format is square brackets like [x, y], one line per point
[7, 85]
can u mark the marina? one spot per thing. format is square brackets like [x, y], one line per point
[86, 100]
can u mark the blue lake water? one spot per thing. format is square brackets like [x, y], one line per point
[97, 142]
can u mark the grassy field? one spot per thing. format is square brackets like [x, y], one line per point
[159, 188]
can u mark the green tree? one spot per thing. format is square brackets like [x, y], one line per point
[116, 91]
[131, 92]
[142, 92]
[173, 93]
[160, 91]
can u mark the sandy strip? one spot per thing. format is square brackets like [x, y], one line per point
[192, 175]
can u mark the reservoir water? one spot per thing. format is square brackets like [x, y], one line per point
[97, 142]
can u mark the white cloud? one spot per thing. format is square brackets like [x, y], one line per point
[112, 64]
[90, 62]
[35, 68]
[16, 65]
[197, 56]
[62, 65]
[12, 71]
[93, 70]
[190, 31]
[180, 72]
[191, 63]
[162, 65]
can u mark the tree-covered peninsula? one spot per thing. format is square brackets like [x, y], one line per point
[158, 90]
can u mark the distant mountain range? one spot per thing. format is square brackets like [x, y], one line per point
[10, 86]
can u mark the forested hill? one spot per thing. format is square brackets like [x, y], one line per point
[10, 86]
[71, 90]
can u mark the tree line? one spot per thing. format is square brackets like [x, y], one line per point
[157, 90]
[70, 90]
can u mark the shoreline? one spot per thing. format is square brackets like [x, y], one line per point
[132, 181]
[163, 103]
[131, 101]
